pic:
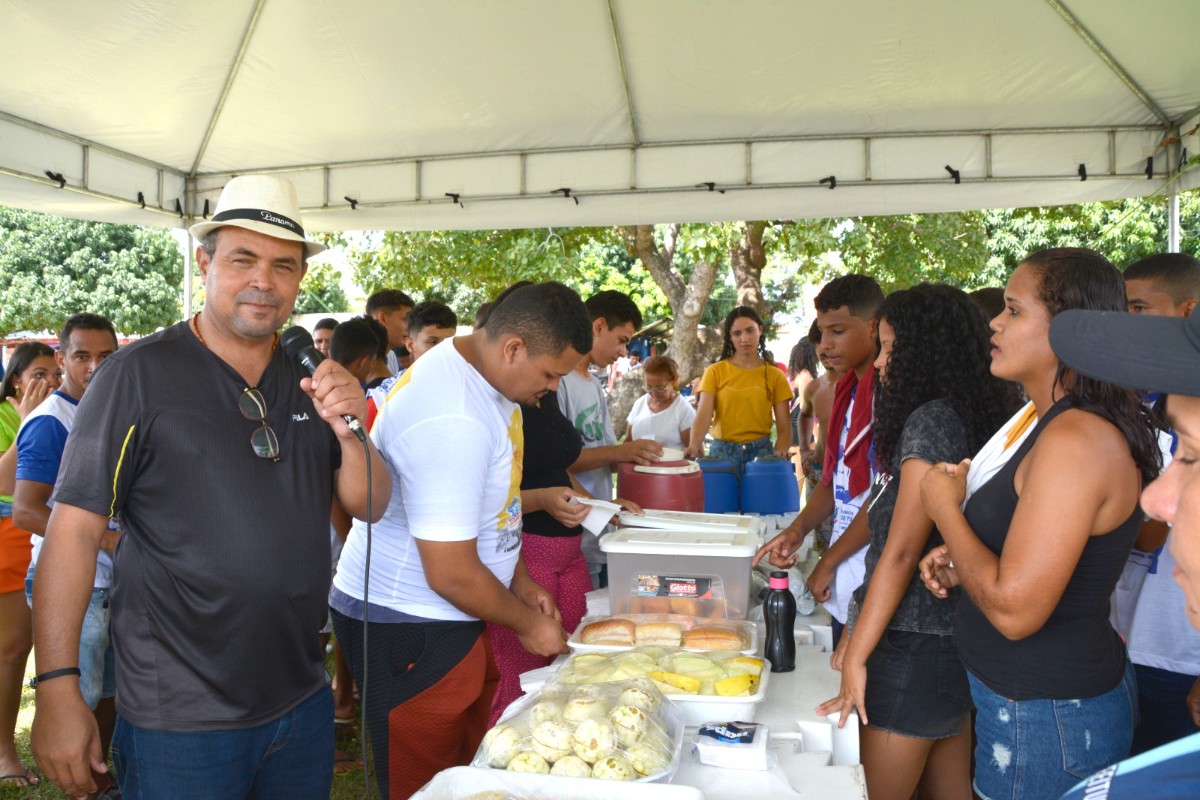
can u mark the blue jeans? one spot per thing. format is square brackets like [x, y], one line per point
[741, 453]
[1031, 749]
[97, 671]
[1163, 714]
[290, 757]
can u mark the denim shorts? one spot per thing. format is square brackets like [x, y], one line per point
[1031, 749]
[741, 453]
[97, 672]
[916, 686]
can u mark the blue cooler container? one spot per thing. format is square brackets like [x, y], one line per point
[769, 487]
[720, 485]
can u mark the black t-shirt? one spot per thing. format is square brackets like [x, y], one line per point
[551, 446]
[221, 578]
[931, 433]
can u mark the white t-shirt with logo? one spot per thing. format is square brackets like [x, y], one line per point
[454, 446]
[850, 573]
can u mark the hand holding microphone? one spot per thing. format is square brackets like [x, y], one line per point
[333, 390]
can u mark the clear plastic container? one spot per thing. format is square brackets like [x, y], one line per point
[679, 572]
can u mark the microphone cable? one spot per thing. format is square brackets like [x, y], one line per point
[362, 711]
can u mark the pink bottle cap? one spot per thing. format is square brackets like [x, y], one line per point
[779, 583]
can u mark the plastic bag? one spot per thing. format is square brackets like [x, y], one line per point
[622, 731]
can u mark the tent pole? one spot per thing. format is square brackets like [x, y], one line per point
[1174, 165]
[188, 259]
[1173, 239]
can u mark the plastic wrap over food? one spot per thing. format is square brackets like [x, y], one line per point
[617, 731]
[673, 671]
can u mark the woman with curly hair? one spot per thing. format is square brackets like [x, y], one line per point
[740, 395]
[935, 402]
[1039, 546]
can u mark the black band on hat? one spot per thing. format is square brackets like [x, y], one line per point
[259, 215]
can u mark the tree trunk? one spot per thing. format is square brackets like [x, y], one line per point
[687, 297]
[747, 259]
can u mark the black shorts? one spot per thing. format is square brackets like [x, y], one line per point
[916, 686]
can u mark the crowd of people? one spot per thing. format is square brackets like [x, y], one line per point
[991, 573]
[972, 480]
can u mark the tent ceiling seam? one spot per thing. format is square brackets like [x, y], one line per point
[112, 198]
[380, 162]
[233, 71]
[88, 143]
[1109, 60]
[786, 185]
[616, 32]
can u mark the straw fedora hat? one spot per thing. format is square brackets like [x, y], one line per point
[261, 203]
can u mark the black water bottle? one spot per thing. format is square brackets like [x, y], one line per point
[779, 611]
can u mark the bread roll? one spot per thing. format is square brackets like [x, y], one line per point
[713, 639]
[663, 634]
[609, 632]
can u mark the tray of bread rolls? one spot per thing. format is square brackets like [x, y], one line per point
[612, 634]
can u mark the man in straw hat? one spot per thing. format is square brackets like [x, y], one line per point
[223, 458]
[1155, 354]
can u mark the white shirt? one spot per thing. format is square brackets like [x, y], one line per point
[663, 426]
[849, 574]
[454, 446]
[1150, 610]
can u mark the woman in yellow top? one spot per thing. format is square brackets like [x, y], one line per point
[741, 395]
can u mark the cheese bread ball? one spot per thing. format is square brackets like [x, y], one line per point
[614, 768]
[500, 744]
[572, 767]
[594, 739]
[529, 762]
[552, 740]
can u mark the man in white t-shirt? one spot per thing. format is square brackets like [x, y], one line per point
[445, 558]
[614, 318]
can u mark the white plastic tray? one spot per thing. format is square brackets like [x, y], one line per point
[672, 716]
[460, 782]
[698, 709]
[687, 622]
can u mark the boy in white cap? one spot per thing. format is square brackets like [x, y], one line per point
[223, 457]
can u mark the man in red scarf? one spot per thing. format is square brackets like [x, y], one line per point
[849, 339]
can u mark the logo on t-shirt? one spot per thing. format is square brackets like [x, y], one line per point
[300, 417]
[589, 425]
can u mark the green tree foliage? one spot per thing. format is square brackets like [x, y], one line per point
[906, 249]
[981, 248]
[53, 267]
[321, 291]
[466, 268]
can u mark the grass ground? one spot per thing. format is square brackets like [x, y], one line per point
[348, 786]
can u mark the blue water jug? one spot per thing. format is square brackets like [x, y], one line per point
[720, 485]
[769, 487]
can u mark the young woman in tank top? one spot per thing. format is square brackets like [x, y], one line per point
[901, 670]
[1039, 546]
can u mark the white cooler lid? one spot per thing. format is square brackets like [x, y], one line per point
[696, 521]
[679, 543]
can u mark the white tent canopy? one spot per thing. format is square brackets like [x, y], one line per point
[414, 114]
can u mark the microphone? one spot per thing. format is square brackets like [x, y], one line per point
[298, 344]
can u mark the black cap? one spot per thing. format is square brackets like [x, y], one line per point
[1160, 354]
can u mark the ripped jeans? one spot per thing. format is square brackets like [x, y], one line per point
[1033, 749]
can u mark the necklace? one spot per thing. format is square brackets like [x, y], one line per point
[196, 330]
